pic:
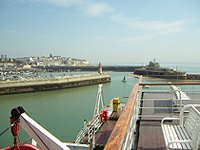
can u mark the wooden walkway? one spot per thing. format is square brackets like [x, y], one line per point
[150, 136]
[107, 128]
[104, 133]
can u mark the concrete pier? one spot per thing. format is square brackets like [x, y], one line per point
[53, 83]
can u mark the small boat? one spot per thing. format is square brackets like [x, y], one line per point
[124, 79]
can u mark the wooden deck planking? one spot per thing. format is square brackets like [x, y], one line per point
[151, 136]
[104, 133]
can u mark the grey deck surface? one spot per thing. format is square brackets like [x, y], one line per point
[150, 132]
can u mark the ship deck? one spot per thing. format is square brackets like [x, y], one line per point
[107, 128]
[139, 126]
[156, 106]
[150, 132]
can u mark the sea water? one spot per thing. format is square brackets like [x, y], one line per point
[62, 112]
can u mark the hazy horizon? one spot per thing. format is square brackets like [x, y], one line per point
[111, 32]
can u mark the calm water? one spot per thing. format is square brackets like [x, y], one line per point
[62, 111]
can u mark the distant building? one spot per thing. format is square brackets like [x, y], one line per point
[4, 57]
[52, 61]
[23, 60]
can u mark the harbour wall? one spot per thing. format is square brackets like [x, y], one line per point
[193, 76]
[54, 83]
[90, 68]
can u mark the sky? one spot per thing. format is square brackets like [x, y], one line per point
[106, 31]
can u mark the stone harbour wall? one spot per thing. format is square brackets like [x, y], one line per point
[14, 87]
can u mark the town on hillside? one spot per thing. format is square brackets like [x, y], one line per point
[39, 61]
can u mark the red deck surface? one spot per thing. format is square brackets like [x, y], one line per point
[104, 133]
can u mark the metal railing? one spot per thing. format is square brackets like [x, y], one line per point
[122, 136]
[89, 130]
[178, 99]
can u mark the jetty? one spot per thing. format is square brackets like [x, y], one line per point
[52, 83]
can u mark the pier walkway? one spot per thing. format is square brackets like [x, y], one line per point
[52, 83]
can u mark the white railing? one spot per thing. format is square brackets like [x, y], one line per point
[89, 130]
[126, 124]
[130, 135]
[176, 101]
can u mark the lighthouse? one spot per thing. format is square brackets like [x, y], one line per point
[100, 70]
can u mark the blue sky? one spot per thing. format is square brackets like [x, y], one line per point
[112, 31]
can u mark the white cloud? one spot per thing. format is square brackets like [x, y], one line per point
[155, 26]
[87, 7]
[94, 8]
[63, 3]
[97, 9]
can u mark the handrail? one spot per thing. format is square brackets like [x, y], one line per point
[118, 135]
[88, 129]
[169, 83]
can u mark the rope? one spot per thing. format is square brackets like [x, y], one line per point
[26, 140]
[4, 131]
[18, 139]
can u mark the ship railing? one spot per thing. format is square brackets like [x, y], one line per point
[130, 135]
[88, 131]
[129, 120]
[158, 108]
[93, 128]
[158, 113]
[126, 125]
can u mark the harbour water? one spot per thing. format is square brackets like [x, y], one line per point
[62, 111]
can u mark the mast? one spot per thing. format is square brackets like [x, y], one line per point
[99, 100]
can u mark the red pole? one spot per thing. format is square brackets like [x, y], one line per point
[14, 131]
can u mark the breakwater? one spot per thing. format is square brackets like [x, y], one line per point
[89, 68]
[44, 84]
[193, 76]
